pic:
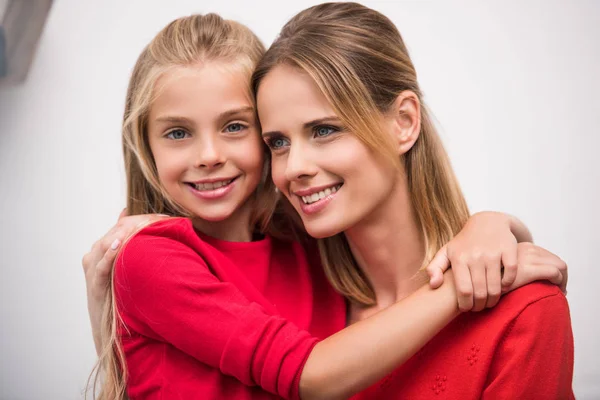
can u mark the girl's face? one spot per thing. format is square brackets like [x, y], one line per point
[204, 138]
[331, 178]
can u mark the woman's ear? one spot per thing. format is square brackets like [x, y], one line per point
[405, 120]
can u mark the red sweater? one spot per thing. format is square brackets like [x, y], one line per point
[209, 319]
[521, 349]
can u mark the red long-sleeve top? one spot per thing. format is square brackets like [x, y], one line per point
[521, 349]
[209, 319]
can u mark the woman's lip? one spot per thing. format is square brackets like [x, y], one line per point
[318, 205]
[315, 189]
[214, 193]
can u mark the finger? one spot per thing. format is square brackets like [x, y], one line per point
[104, 267]
[563, 284]
[464, 285]
[494, 283]
[437, 267]
[478, 275]
[509, 263]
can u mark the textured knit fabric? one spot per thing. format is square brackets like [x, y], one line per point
[209, 319]
[521, 349]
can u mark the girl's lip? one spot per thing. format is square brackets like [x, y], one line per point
[213, 180]
[214, 193]
[318, 205]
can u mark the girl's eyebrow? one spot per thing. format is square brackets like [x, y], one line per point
[186, 121]
[175, 120]
[241, 110]
[310, 124]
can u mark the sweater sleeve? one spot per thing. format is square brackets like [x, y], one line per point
[166, 291]
[535, 358]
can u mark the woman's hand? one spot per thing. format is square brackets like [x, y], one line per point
[98, 263]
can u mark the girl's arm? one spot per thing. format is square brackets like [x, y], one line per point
[363, 353]
[341, 365]
[166, 292]
[484, 258]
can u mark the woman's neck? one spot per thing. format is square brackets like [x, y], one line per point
[389, 247]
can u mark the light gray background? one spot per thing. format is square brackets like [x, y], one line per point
[513, 84]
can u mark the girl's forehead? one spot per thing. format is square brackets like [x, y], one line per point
[206, 89]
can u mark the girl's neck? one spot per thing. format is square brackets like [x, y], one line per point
[236, 228]
[389, 247]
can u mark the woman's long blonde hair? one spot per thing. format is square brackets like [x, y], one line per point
[185, 41]
[359, 61]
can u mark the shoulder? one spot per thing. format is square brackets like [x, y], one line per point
[146, 251]
[536, 307]
[532, 296]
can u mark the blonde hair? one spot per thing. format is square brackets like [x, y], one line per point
[185, 41]
[359, 61]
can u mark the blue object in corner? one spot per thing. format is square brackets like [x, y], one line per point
[3, 56]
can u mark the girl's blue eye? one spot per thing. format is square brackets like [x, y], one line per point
[322, 131]
[177, 134]
[236, 127]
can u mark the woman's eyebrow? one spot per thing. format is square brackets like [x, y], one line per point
[319, 121]
[307, 125]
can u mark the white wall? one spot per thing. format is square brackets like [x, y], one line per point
[513, 84]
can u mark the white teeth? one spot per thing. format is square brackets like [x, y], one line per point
[212, 185]
[320, 195]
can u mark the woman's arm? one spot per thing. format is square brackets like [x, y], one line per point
[98, 264]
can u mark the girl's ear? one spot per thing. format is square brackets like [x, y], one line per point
[405, 120]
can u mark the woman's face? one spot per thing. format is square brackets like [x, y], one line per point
[331, 178]
[205, 141]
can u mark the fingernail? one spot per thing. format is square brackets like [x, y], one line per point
[115, 244]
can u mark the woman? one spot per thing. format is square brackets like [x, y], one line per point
[355, 153]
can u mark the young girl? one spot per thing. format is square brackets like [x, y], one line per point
[355, 153]
[207, 305]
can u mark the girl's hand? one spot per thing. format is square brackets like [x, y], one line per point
[98, 263]
[536, 263]
[477, 254]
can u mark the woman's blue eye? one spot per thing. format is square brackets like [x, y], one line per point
[177, 134]
[276, 143]
[234, 127]
[322, 131]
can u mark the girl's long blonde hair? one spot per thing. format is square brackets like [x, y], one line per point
[359, 61]
[185, 41]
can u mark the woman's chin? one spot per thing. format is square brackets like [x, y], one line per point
[322, 231]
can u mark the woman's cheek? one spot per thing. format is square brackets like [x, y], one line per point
[278, 172]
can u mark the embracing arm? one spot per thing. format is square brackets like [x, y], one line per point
[363, 353]
[166, 291]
